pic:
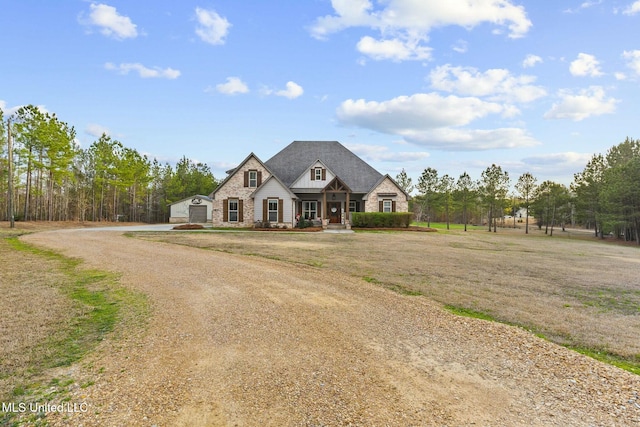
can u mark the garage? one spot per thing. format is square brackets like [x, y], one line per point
[197, 213]
[195, 209]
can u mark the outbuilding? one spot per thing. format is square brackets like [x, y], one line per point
[195, 209]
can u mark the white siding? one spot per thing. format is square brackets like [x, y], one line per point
[272, 189]
[179, 211]
[305, 180]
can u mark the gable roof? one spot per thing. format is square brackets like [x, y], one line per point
[366, 196]
[203, 197]
[275, 178]
[306, 171]
[232, 172]
[293, 160]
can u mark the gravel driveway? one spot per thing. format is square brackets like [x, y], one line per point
[241, 341]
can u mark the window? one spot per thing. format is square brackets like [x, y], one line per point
[318, 174]
[387, 206]
[309, 210]
[272, 210]
[233, 210]
[353, 207]
[253, 179]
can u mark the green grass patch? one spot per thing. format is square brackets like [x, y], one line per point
[99, 305]
[632, 365]
[628, 364]
[467, 312]
[625, 302]
[402, 290]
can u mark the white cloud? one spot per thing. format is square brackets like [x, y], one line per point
[460, 46]
[453, 139]
[633, 8]
[404, 25]
[633, 60]
[585, 65]
[531, 61]
[234, 85]
[586, 103]
[422, 16]
[420, 111]
[496, 84]
[292, 91]
[433, 120]
[144, 72]
[569, 160]
[8, 111]
[393, 49]
[350, 13]
[583, 5]
[380, 153]
[212, 28]
[111, 23]
[96, 130]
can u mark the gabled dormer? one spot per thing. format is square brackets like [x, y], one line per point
[316, 176]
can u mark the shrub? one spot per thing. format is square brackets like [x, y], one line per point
[304, 223]
[381, 219]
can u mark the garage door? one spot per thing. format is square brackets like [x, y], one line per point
[197, 214]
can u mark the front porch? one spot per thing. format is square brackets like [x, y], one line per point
[336, 198]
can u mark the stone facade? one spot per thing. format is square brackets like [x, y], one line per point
[320, 172]
[387, 187]
[234, 189]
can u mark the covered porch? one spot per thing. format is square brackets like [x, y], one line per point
[336, 199]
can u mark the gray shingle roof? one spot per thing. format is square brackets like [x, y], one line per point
[297, 157]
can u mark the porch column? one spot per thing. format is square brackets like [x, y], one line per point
[346, 210]
[324, 206]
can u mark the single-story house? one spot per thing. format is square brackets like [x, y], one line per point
[316, 180]
[194, 209]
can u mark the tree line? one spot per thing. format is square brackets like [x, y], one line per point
[53, 178]
[604, 197]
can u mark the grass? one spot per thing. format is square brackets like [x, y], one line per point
[631, 364]
[443, 226]
[57, 314]
[578, 292]
[467, 312]
[610, 358]
[402, 290]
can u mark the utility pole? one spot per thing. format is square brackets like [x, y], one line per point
[10, 179]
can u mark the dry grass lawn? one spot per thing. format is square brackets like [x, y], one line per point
[37, 312]
[34, 312]
[571, 288]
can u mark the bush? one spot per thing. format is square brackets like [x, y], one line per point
[304, 223]
[381, 219]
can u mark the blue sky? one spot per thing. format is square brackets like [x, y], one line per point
[530, 85]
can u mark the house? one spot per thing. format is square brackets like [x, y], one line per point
[196, 209]
[316, 180]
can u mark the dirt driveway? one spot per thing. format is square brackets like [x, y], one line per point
[240, 341]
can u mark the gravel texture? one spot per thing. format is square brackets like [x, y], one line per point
[242, 341]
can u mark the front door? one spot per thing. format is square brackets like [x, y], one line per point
[335, 216]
